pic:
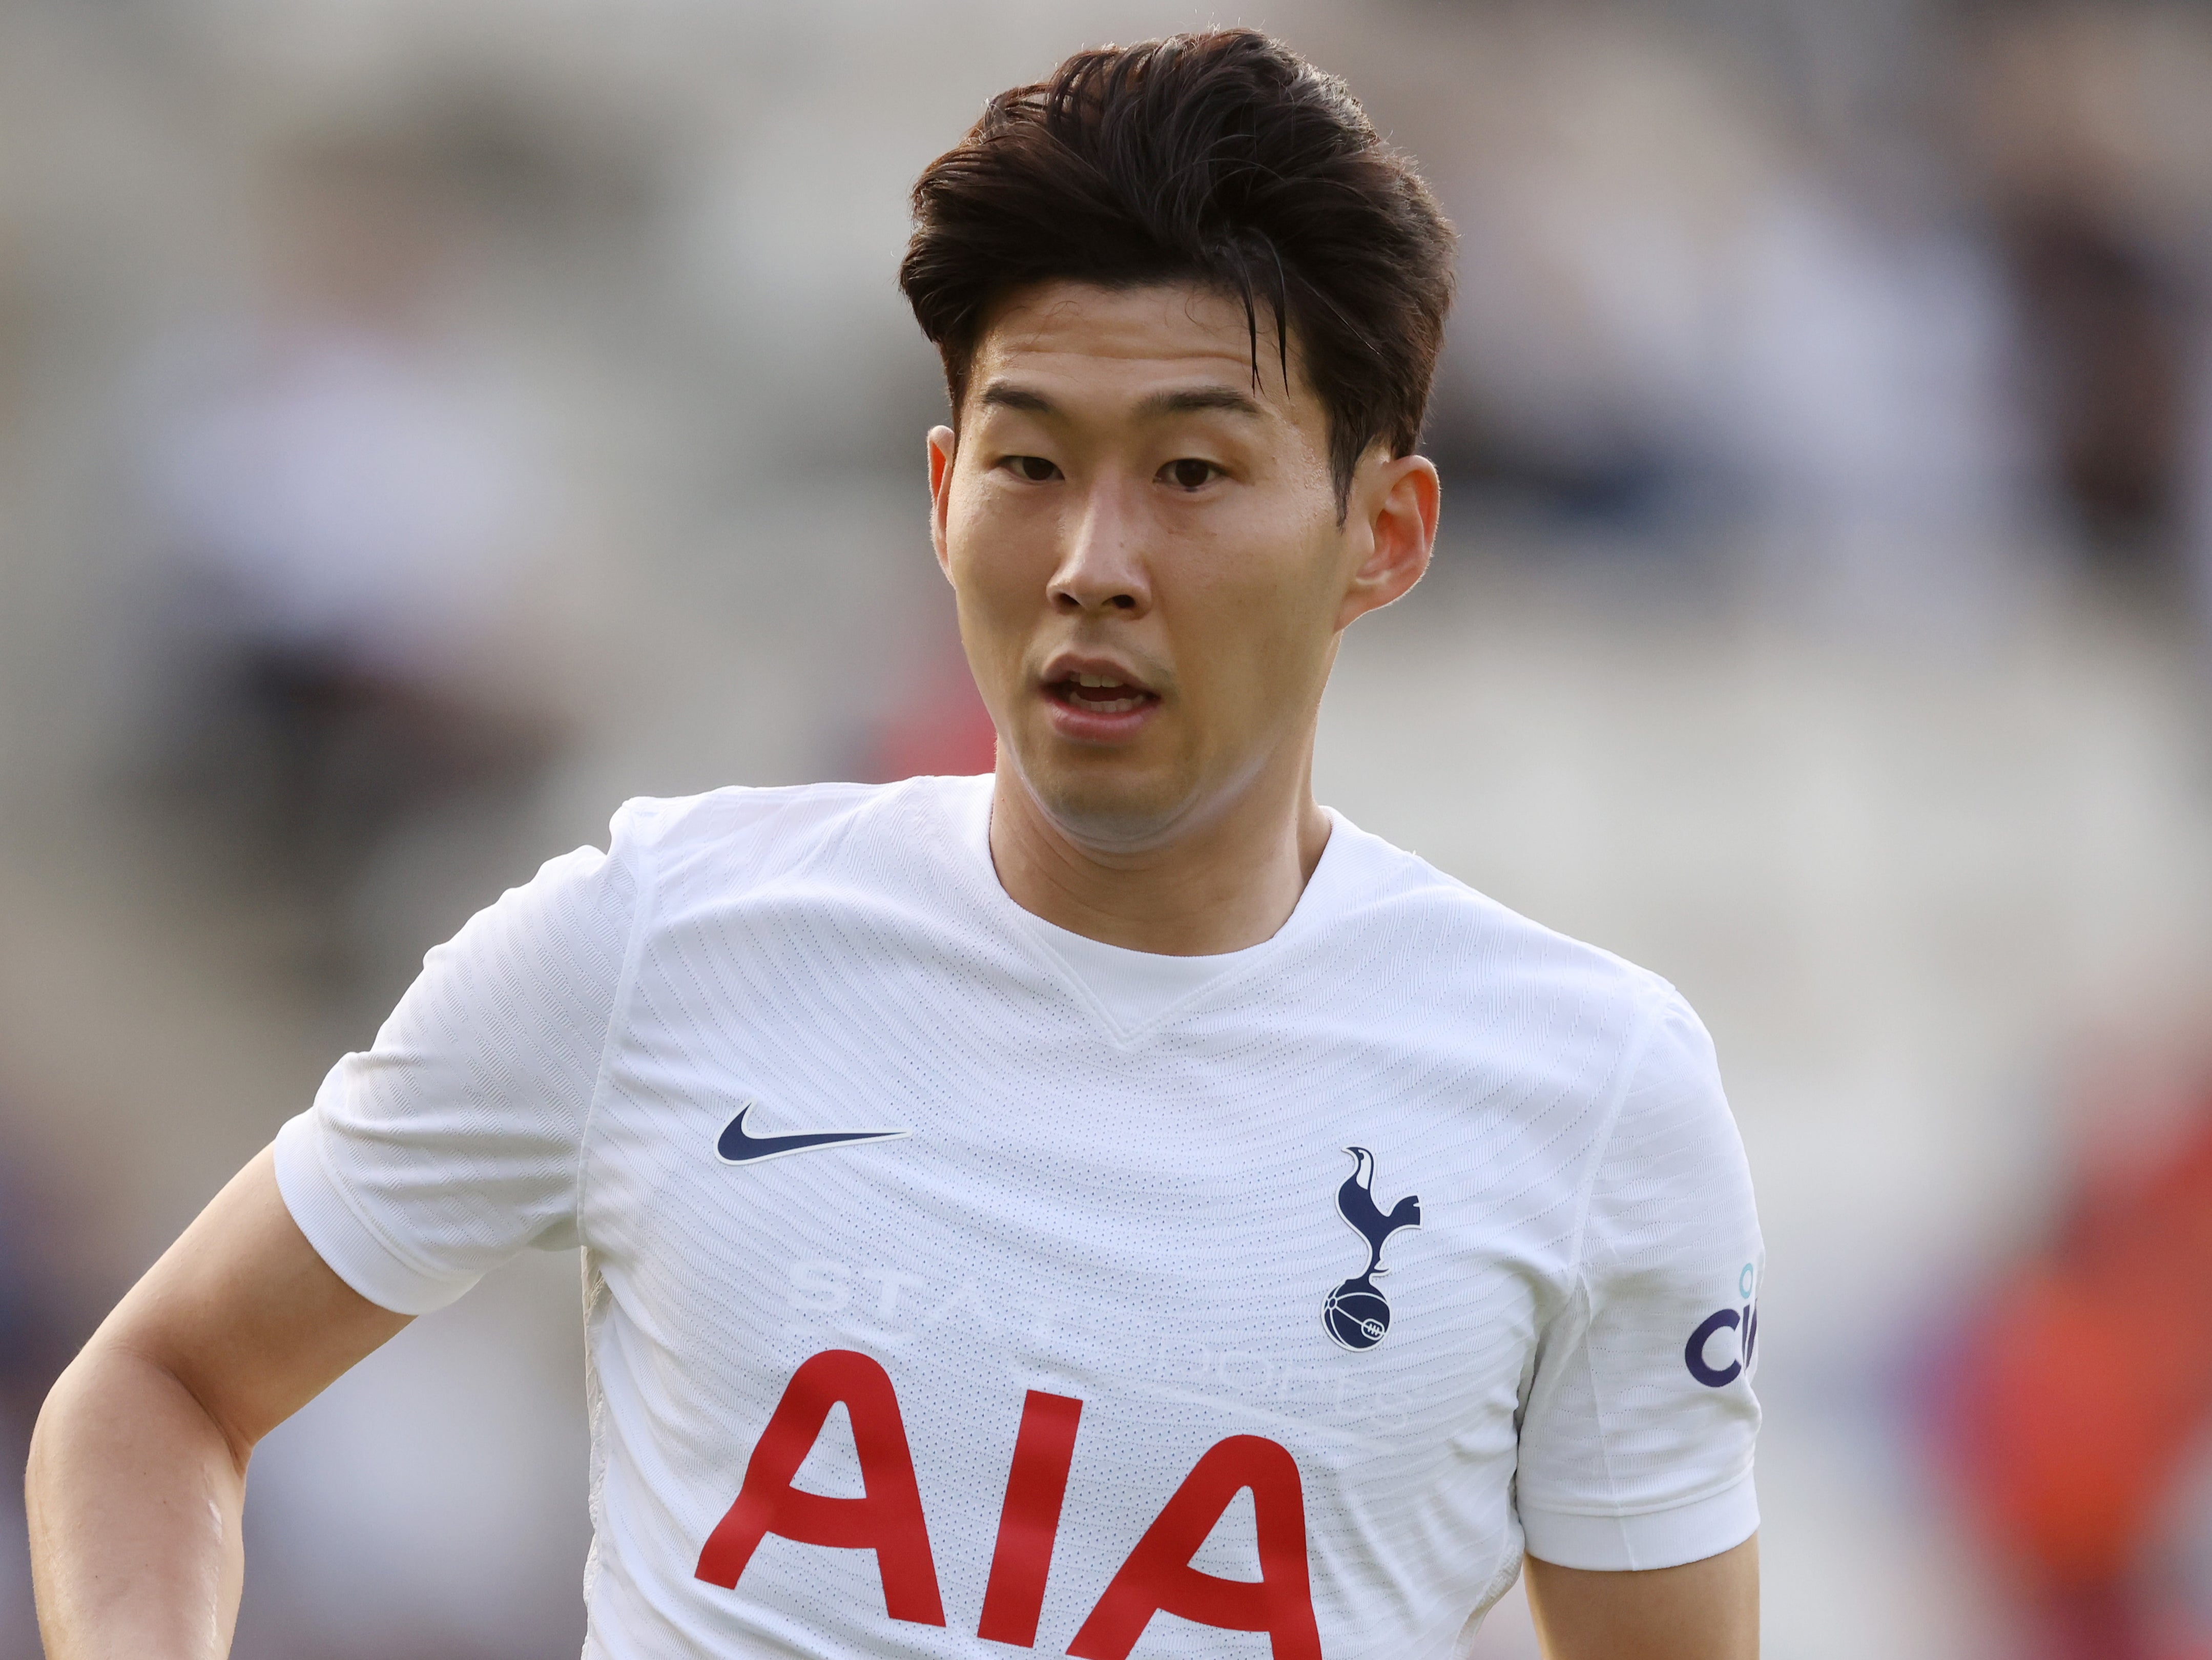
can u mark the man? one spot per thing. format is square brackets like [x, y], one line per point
[1221, 1233]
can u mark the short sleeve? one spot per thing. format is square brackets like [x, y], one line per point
[456, 1139]
[1637, 1437]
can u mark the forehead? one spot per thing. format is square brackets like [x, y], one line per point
[1077, 338]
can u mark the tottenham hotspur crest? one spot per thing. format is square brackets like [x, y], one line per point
[1355, 1313]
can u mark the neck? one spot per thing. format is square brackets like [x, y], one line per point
[1228, 882]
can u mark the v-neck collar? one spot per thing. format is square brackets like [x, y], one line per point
[1134, 992]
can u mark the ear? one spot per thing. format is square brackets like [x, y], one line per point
[942, 444]
[1392, 510]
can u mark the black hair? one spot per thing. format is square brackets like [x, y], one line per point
[1221, 158]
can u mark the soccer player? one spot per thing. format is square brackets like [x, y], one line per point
[1112, 1207]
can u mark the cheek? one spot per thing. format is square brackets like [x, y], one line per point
[1254, 628]
[989, 549]
[1272, 595]
[998, 562]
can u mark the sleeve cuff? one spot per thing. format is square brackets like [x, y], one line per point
[1657, 1539]
[357, 1252]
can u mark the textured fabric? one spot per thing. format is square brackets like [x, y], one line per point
[1149, 1220]
[457, 1138]
[1133, 988]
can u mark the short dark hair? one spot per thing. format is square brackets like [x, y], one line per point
[1221, 158]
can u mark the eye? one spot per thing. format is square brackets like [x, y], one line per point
[1189, 473]
[1034, 468]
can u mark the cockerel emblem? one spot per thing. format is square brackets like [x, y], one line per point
[1356, 1314]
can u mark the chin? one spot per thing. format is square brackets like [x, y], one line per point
[1107, 803]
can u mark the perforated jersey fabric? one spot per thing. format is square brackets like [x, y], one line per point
[1169, 1219]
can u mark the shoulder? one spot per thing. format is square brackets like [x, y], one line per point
[1454, 942]
[735, 816]
[747, 835]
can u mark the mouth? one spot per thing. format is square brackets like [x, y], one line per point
[1097, 701]
[1099, 694]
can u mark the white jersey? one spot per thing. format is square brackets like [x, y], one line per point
[954, 1283]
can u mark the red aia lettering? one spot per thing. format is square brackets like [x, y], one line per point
[887, 1521]
[1157, 1578]
[1044, 1448]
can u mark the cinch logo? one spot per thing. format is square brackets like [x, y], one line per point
[1157, 1578]
[1744, 1324]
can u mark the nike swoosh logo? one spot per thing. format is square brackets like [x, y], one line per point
[736, 1148]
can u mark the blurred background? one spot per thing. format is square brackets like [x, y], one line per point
[424, 424]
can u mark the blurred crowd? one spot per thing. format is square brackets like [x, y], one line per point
[422, 425]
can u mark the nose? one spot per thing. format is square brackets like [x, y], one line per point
[1102, 569]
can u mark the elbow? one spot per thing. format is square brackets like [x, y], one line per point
[120, 1397]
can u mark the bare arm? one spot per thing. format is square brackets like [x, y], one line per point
[138, 1473]
[1705, 1610]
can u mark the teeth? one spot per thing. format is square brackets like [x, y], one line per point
[1094, 680]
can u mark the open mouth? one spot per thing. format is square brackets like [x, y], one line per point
[1099, 694]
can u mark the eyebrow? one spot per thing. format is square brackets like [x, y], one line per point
[1010, 395]
[1201, 398]
[1006, 395]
